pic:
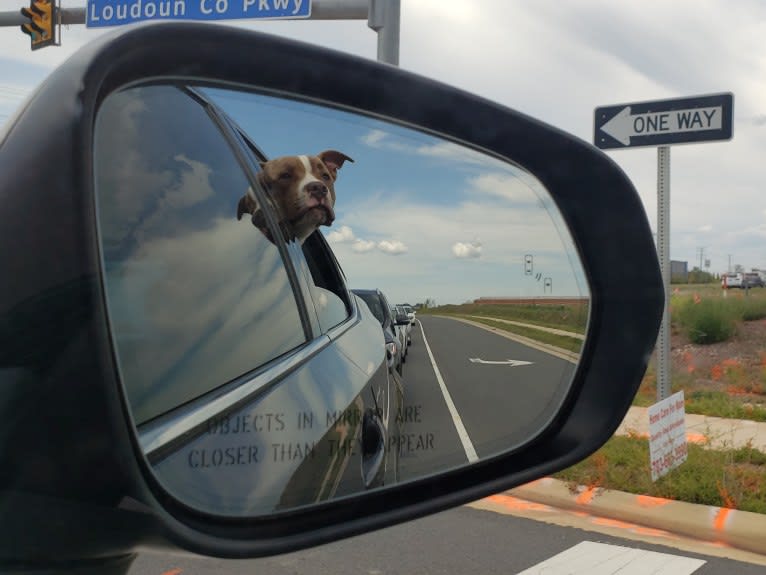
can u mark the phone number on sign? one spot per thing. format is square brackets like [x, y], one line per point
[670, 460]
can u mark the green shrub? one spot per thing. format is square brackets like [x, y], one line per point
[752, 308]
[708, 320]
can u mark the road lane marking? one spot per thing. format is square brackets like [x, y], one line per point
[470, 452]
[511, 362]
[593, 558]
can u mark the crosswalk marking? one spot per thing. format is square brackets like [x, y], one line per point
[590, 558]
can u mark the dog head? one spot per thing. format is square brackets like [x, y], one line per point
[302, 189]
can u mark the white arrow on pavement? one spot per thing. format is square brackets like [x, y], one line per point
[624, 125]
[511, 362]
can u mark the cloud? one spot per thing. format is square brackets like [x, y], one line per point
[444, 150]
[345, 235]
[759, 120]
[464, 250]
[362, 246]
[392, 247]
[706, 228]
[342, 235]
[374, 138]
[517, 189]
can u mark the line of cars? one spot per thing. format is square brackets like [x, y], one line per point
[396, 321]
[743, 279]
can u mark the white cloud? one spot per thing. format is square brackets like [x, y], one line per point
[374, 138]
[465, 250]
[362, 246]
[516, 188]
[705, 229]
[392, 247]
[343, 234]
[444, 150]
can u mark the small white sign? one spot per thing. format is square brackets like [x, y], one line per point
[667, 435]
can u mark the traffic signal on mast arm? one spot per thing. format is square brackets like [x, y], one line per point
[41, 26]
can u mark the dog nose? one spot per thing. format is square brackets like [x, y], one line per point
[317, 189]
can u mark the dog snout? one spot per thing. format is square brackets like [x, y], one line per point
[317, 190]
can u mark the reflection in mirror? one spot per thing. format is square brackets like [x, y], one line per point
[233, 227]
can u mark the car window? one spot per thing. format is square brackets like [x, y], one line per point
[373, 302]
[196, 298]
[328, 290]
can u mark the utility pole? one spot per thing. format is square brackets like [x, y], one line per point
[701, 253]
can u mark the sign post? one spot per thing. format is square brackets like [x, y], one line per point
[663, 252]
[663, 123]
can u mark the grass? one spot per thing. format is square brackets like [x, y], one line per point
[721, 404]
[560, 341]
[733, 478]
[567, 317]
[727, 404]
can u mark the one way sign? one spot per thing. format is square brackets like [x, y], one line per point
[664, 122]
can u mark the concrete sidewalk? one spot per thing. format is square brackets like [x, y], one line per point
[714, 432]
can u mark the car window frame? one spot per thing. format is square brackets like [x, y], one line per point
[177, 426]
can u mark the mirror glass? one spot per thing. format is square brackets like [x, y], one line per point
[308, 303]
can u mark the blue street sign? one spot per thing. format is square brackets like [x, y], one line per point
[664, 122]
[101, 13]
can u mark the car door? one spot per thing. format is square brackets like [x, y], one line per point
[246, 397]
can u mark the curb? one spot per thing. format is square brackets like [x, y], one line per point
[739, 529]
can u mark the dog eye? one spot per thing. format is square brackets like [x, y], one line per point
[326, 177]
[285, 176]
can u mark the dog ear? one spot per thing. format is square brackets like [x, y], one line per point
[334, 161]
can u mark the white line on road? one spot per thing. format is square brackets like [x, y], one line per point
[511, 362]
[470, 452]
[592, 558]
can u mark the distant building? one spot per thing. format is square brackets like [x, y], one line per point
[679, 272]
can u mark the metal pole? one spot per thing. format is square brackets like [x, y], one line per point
[663, 251]
[385, 19]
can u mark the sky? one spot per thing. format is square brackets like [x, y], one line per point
[558, 61]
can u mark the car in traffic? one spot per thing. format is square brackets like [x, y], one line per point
[405, 320]
[410, 311]
[733, 280]
[752, 280]
[381, 309]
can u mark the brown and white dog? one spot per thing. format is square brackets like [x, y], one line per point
[302, 189]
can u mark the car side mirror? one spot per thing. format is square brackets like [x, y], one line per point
[215, 385]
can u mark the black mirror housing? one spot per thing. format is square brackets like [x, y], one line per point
[58, 362]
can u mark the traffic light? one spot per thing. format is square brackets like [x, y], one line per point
[41, 26]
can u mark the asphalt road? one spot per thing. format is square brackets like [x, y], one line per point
[459, 541]
[495, 404]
